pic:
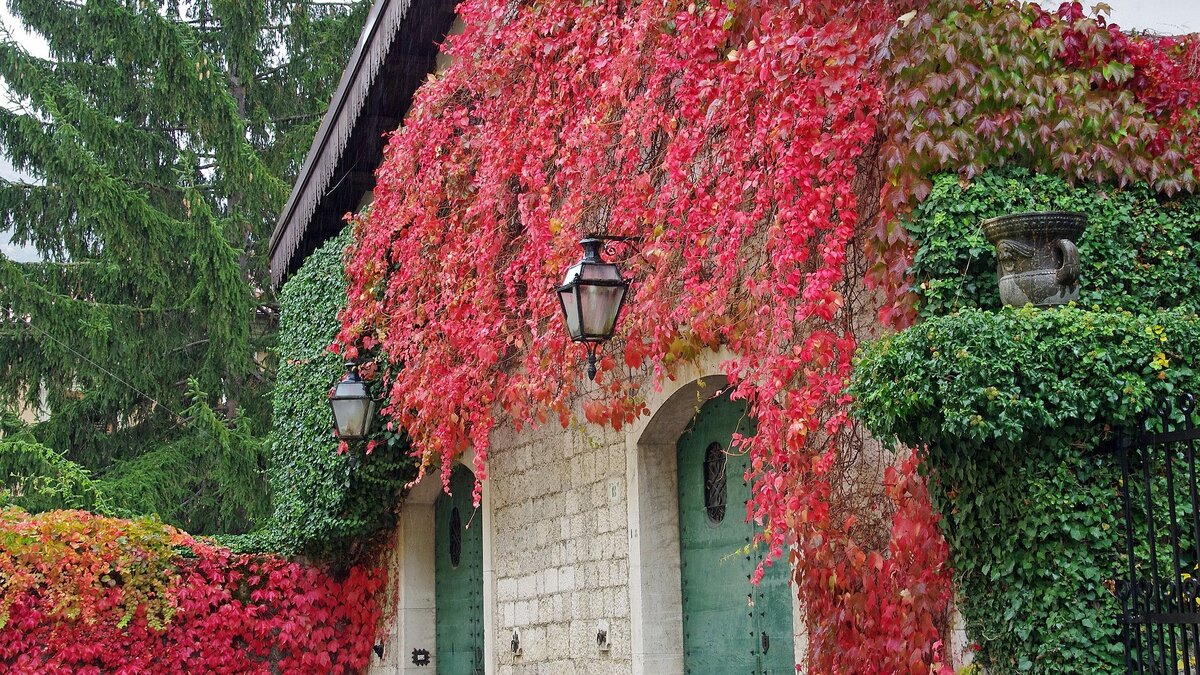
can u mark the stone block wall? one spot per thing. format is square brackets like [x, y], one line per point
[560, 551]
[580, 534]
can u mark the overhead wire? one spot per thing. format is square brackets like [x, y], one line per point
[106, 371]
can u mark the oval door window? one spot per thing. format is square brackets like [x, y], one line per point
[455, 537]
[715, 491]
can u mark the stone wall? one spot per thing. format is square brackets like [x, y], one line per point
[560, 551]
[580, 534]
[567, 551]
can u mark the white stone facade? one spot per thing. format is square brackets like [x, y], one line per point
[581, 535]
[560, 551]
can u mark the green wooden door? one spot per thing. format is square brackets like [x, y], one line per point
[458, 545]
[729, 625]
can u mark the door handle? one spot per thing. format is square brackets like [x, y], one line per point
[766, 642]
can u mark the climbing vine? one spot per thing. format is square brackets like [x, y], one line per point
[1014, 406]
[1012, 409]
[329, 505]
[85, 593]
[748, 146]
[664, 121]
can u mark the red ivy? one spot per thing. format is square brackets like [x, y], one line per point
[879, 610]
[730, 140]
[741, 142]
[68, 577]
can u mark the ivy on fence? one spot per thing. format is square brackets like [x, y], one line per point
[1011, 409]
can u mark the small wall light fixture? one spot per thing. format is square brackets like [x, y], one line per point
[602, 639]
[592, 295]
[352, 405]
[514, 645]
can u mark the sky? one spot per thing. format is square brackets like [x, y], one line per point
[10, 250]
[1167, 17]
[35, 45]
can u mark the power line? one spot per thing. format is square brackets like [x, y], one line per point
[102, 369]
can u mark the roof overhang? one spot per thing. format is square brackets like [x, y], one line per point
[396, 51]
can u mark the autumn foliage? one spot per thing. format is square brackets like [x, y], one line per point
[759, 150]
[732, 142]
[756, 149]
[977, 85]
[88, 594]
[878, 609]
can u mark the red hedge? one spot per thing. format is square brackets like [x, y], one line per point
[89, 594]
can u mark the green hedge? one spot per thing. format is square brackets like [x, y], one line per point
[1013, 408]
[1140, 251]
[326, 505]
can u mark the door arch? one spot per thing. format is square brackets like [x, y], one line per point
[729, 625]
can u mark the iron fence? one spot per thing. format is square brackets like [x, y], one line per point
[1160, 594]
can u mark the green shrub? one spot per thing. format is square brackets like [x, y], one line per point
[326, 504]
[1012, 408]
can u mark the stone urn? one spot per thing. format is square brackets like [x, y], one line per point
[1036, 259]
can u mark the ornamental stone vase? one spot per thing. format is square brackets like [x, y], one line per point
[1036, 259]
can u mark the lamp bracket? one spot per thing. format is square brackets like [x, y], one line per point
[612, 243]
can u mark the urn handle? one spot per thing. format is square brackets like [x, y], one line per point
[1068, 274]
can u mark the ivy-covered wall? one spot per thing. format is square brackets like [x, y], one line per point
[1140, 251]
[1013, 407]
[327, 504]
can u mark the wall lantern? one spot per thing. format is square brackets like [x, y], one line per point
[353, 407]
[591, 295]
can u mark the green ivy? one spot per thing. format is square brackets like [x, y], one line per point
[1013, 408]
[1139, 250]
[326, 504]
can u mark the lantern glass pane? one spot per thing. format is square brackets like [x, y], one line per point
[600, 305]
[350, 415]
[570, 306]
[600, 272]
[351, 389]
[371, 406]
[572, 273]
[352, 408]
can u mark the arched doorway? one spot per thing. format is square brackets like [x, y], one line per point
[729, 625]
[458, 578]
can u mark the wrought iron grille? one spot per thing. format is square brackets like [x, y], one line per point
[1160, 595]
[716, 492]
[455, 527]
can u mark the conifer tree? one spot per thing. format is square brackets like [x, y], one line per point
[162, 136]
